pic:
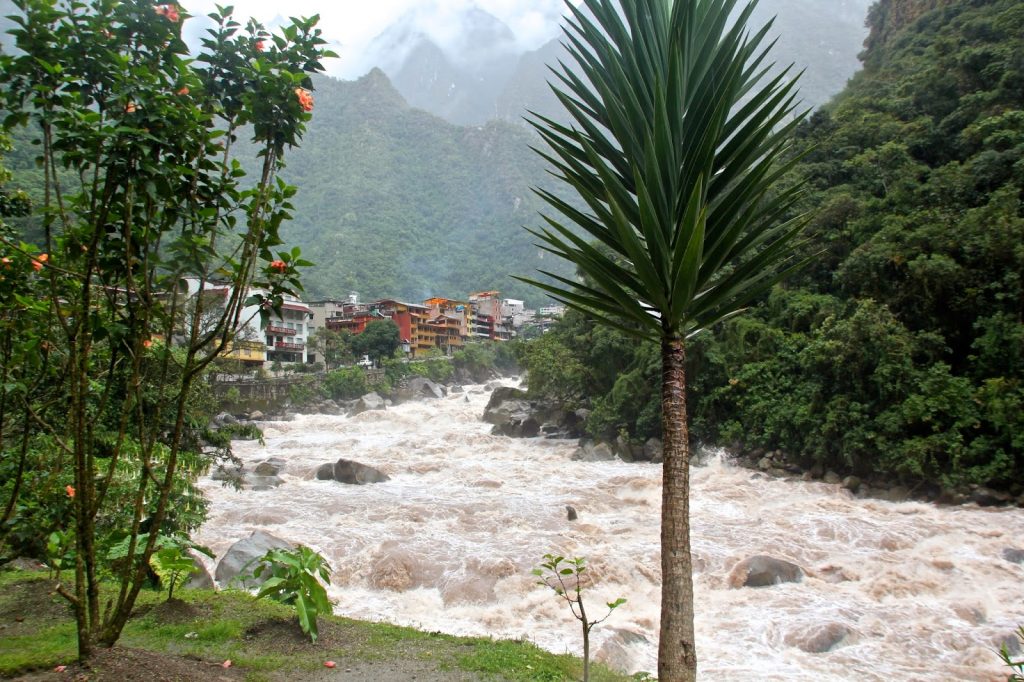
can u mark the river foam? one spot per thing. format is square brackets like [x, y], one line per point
[917, 592]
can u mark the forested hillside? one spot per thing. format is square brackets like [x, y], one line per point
[397, 202]
[394, 201]
[901, 348]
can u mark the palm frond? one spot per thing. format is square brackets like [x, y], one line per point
[677, 140]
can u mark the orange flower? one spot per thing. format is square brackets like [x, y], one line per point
[6, 261]
[130, 108]
[37, 262]
[259, 46]
[183, 91]
[169, 11]
[278, 265]
[147, 343]
[305, 99]
[70, 491]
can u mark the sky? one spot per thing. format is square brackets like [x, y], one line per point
[350, 25]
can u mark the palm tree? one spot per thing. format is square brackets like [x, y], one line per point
[678, 137]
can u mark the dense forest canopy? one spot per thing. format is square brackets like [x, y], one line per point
[901, 348]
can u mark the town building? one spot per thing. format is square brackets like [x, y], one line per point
[282, 337]
[321, 311]
[487, 318]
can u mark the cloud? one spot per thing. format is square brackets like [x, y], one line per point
[351, 25]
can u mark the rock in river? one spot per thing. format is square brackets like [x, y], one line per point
[762, 571]
[353, 473]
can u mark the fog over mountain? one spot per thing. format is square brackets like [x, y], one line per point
[472, 68]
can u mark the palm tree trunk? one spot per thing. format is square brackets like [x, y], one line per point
[677, 654]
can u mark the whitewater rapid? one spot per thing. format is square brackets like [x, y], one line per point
[449, 542]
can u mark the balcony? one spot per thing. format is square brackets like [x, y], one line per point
[284, 345]
[284, 331]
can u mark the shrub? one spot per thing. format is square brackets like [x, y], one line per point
[295, 576]
[347, 383]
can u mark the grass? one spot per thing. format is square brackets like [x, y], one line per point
[260, 637]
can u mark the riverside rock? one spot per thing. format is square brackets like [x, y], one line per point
[505, 404]
[763, 571]
[370, 401]
[986, 497]
[352, 473]
[654, 450]
[511, 413]
[419, 388]
[200, 578]
[240, 560]
[589, 451]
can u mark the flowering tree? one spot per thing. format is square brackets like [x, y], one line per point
[141, 193]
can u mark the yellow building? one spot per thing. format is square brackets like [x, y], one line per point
[245, 351]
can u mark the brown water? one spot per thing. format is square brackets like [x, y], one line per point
[448, 544]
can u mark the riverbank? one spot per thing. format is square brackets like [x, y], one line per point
[190, 638]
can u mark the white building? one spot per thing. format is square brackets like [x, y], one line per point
[282, 337]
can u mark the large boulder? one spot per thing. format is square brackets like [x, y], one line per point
[370, 401]
[622, 649]
[353, 473]
[420, 387]
[762, 571]
[506, 403]
[654, 450]
[269, 467]
[513, 414]
[589, 451]
[201, 578]
[241, 559]
[986, 497]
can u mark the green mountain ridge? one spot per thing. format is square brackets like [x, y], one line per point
[394, 201]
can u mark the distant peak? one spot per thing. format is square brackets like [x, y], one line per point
[377, 86]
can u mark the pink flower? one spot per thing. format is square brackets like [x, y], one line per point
[130, 108]
[37, 262]
[259, 46]
[147, 343]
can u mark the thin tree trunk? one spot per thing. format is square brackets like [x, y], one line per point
[677, 653]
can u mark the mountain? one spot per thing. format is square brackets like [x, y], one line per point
[394, 201]
[460, 83]
[485, 77]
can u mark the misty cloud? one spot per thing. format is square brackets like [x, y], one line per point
[351, 25]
